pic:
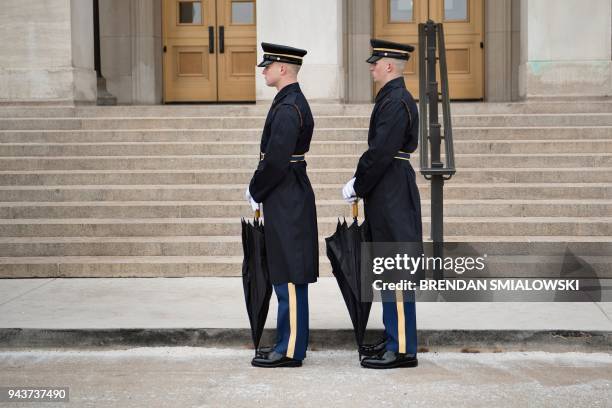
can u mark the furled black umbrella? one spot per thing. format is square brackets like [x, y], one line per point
[344, 253]
[255, 277]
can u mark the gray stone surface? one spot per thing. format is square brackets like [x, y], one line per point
[15, 288]
[201, 377]
[218, 303]
[152, 191]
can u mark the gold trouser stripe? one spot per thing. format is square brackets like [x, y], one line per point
[292, 320]
[401, 322]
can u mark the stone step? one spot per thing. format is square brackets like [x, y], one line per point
[178, 246]
[576, 133]
[317, 176]
[316, 148]
[469, 226]
[233, 192]
[125, 246]
[218, 266]
[458, 108]
[325, 208]
[119, 267]
[249, 122]
[185, 162]
[568, 106]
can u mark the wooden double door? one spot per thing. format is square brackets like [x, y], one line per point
[210, 50]
[398, 20]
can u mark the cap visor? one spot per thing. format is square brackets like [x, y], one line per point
[265, 63]
[373, 59]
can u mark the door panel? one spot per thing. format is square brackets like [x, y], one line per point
[397, 20]
[199, 65]
[463, 33]
[238, 57]
[190, 69]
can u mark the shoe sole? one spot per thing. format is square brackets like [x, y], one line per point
[370, 354]
[408, 364]
[279, 365]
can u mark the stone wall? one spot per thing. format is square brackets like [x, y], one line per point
[131, 50]
[315, 25]
[565, 48]
[46, 52]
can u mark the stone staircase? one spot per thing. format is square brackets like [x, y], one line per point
[135, 191]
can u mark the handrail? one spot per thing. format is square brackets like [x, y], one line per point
[431, 39]
[432, 166]
[446, 112]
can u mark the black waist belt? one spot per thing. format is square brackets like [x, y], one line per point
[402, 155]
[294, 157]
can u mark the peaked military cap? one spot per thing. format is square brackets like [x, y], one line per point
[388, 49]
[281, 53]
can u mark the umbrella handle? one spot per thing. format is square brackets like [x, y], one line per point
[355, 206]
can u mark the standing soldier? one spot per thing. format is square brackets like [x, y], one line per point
[281, 184]
[386, 181]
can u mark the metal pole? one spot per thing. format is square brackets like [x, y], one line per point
[437, 181]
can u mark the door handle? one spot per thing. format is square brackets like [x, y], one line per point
[211, 40]
[221, 39]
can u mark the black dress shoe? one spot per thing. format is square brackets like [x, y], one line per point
[371, 350]
[264, 351]
[274, 359]
[390, 359]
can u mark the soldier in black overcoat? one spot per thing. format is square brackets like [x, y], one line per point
[281, 186]
[387, 182]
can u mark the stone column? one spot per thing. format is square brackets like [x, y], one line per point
[82, 35]
[46, 52]
[358, 33]
[146, 51]
[131, 44]
[498, 50]
[116, 48]
[565, 48]
[315, 25]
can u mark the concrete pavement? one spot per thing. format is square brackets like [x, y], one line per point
[204, 377]
[173, 305]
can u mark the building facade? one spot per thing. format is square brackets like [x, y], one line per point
[167, 51]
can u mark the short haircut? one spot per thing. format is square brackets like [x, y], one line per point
[398, 65]
[293, 68]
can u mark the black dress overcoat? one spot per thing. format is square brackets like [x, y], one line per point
[387, 183]
[281, 184]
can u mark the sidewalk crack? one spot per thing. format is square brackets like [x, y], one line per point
[603, 311]
[26, 292]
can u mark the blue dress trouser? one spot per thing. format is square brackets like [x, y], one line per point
[399, 318]
[292, 320]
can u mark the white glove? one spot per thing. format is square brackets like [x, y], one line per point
[348, 191]
[254, 205]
